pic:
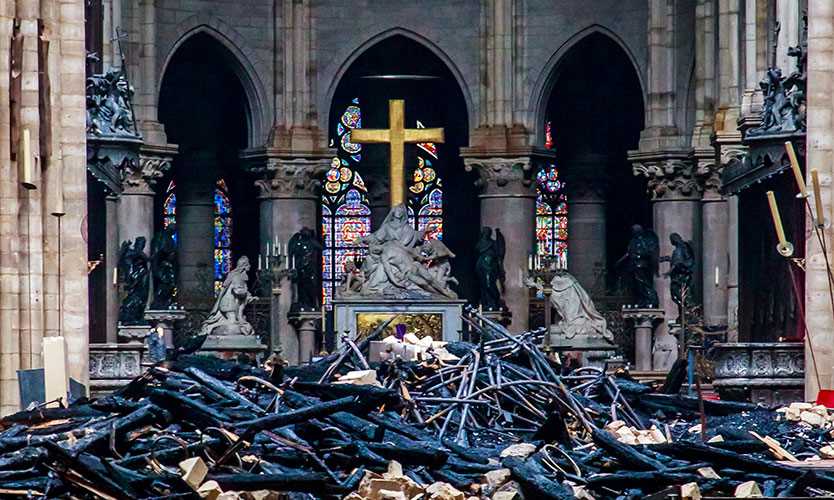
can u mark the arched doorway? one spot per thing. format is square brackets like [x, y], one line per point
[441, 195]
[594, 115]
[209, 197]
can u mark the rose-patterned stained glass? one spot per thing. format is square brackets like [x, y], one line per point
[345, 212]
[551, 210]
[426, 193]
[222, 234]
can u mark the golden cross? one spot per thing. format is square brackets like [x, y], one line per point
[397, 136]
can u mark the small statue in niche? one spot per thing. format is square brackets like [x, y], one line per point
[226, 316]
[164, 268]
[681, 268]
[640, 265]
[305, 255]
[489, 267]
[133, 269]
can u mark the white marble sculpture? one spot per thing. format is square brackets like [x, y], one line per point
[399, 264]
[226, 317]
[578, 316]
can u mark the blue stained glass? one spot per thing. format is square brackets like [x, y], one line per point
[222, 234]
[551, 212]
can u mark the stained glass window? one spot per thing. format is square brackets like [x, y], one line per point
[551, 210]
[426, 192]
[169, 208]
[345, 212]
[222, 234]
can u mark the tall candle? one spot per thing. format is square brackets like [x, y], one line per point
[797, 172]
[717, 277]
[58, 182]
[267, 250]
[815, 182]
[260, 266]
[25, 161]
[777, 219]
[115, 275]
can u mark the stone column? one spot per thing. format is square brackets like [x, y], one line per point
[111, 258]
[289, 198]
[732, 269]
[508, 203]
[715, 261]
[585, 179]
[820, 154]
[195, 233]
[676, 198]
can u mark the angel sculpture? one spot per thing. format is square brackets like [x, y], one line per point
[489, 267]
[681, 268]
[305, 253]
[133, 268]
[640, 264]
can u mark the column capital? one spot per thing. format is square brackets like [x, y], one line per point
[285, 175]
[507, 173]
[140, 176]
[670, 174]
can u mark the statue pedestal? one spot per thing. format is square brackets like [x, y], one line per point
[594, 350]
[645, 323]
[440, 318]
[230, 346]
[133, 334]
[165, 319]
[304, 323]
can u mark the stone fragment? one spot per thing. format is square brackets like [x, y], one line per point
[388, 495]
[194, 470]
[811, 418]
[750, 489]
[827, 451]
[444, 491]
[209, 490]
[801, 405]
[718, 438]
[708, 473]
[520, 450]
[690, 491]
[496, 478]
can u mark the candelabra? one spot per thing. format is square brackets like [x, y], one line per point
[541, 269]
[274, 266]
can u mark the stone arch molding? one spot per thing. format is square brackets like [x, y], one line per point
[543, 87]
[411, 35]
[243, 62]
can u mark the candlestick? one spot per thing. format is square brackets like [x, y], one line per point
[275, 243]
[115, 275]
[259, 262]
[717, 277]
[784, 248]
[530, 262]
[797, 172]
[815, 182]
[267, 251]
[25, 161]
[58, 182]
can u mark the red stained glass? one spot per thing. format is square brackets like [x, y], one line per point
[551, 210]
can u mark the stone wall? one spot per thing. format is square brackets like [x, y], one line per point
[43, 285]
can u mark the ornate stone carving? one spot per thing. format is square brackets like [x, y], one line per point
[141, 176]
[226, 316]
[709, 175]
[502, 174]
[759, 371]
[109, 106]
[669, 178]
[293, 178]
[114, 364]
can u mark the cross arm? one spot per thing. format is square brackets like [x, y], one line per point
[370, 136]
[414, 135]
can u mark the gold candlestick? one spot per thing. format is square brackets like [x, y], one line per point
[815, 183]
[58, 207]
[797, 172]
[24, 160]
[784, 247]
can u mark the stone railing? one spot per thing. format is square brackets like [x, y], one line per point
[770, 373]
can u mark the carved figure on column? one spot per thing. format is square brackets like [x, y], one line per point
[681, 268]
[640, 265]
[305, 255]
[489, 268]
[226, 316]
[164, 268]
[109, 106]
[133, 269]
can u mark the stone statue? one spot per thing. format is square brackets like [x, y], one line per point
[489, 267]
[395, 266]
[133, 269]
[439, 260]
[305, 255]
[109, 105]
[577, 312]
[164, 268]
[640, 264]
[226, 317]
[352, 279]
[681, 268]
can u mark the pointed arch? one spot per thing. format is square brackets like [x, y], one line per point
[541, 91]
[381, 37]
[242, 62]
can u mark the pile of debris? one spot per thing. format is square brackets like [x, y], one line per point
[497, 419]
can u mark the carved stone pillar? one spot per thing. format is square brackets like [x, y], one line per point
[139, 178]
[585, 179]
[676, 195]
[508, 203]
[289, 198]
[715, 255]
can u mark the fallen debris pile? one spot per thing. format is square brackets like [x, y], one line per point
[496, 419]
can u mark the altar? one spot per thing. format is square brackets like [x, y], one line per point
[438, 317]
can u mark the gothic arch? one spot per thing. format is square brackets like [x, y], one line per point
[540, 93]
[241, 60]
[411, 35]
